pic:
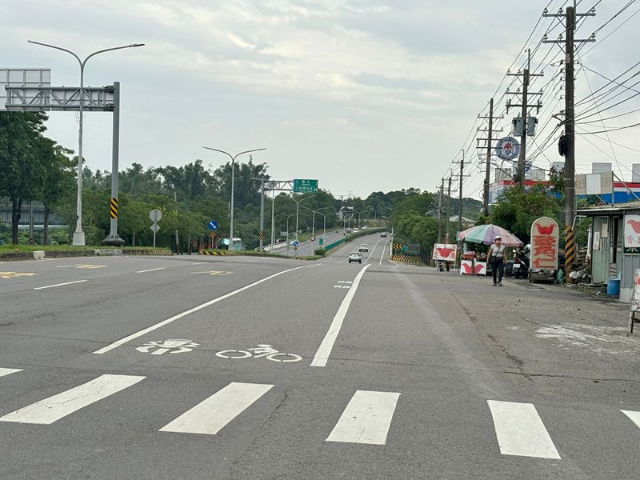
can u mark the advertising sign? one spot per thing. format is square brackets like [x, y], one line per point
[545, 236]
[445, 252]
[508, 148]
[632, 234]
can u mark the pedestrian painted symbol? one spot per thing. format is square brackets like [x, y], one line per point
[261, 351]
[173, 345]
[7, 275]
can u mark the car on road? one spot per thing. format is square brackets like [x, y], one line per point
[355, 257]
[383, 235]
[363, 248]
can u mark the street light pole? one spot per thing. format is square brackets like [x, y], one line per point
[78, 235]
[233, 180]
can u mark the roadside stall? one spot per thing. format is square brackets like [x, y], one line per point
[475, 263]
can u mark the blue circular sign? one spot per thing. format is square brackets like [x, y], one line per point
[508, 148]
[213, 225]
[296, 243]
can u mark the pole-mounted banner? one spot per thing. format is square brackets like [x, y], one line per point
[114, 208]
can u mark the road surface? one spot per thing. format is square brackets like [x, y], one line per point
[243, 367]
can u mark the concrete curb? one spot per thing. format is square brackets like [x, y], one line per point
[98, 252]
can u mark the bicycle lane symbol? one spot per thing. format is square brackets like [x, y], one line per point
[261, 351]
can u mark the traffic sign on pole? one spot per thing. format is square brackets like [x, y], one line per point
[155, 215]
[155, 228]
[296, 243]
[305, 186]
[213, 225]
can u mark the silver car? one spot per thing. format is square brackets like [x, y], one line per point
[355, 257]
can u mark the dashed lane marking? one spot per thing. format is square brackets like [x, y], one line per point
[59, 285]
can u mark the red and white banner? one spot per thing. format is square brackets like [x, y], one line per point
[545, 236]
[445, 252]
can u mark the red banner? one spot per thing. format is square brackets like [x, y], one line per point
[545, 236]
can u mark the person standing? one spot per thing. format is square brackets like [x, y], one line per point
[497, 258]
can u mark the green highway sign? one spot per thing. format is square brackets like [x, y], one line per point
[321, 241]
[305, 186]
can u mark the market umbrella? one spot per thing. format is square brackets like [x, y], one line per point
[487, 233]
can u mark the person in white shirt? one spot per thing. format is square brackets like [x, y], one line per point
[497, 257]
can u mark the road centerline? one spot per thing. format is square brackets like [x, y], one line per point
[324, 351]
[151, 270]
[144, 331]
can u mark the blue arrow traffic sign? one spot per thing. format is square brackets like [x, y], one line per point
[213, 225]
[296, 243]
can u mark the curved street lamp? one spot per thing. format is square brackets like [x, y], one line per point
[78, 235]
[233, 179]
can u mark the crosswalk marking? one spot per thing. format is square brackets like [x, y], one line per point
[52, 409]
[634, 416]
[366, 419]
[214, 413]
[8, 371]
[520, 430]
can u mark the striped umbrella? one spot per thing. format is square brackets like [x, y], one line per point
[487, 233]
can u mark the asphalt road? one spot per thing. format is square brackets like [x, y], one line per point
[244, 367]
[307, 248]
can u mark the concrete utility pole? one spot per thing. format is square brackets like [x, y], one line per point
[460, 193]
[448, 217]
[440, 211]
[524, 105]
[569, 42]
[487, 178]
[113, 238]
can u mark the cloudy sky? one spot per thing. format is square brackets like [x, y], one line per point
[364, 95]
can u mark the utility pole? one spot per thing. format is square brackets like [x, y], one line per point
[570, 18]
[440, 211]
[489, 148]
[447, 220]
[524, 105]
[261, 233]
[460, 193]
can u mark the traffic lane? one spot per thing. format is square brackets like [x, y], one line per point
[307, 248]
[291, 313]
[341, 253]
[54, 326]
[23, 276]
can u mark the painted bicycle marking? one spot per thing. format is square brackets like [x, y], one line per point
[261, 351]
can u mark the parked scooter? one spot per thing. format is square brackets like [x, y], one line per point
[521, 264]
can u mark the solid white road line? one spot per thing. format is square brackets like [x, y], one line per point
[144, 331]
[59, 284]
[520, 430]
[374, 249]
[366, 419]
[214, 413]
[151, 270]
[54, 408]
[382, 256]
[8, 371]
[323, 353]
[634, 416]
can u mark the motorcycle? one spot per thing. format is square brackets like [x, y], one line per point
[520, 267]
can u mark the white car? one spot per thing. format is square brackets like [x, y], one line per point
[363, 248]
[355, 257]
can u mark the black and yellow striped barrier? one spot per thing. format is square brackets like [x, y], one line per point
[569, 250]
[114, 208]
[213, 252]
[261, 234]
[409, 260]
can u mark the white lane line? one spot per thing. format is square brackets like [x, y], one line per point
[214, 413]
[144, 331]
[323, 353]
[54, 408]
[151, 270]
[8, 371]
[59, 284]
[520, 430]
[382, 256]
[634, 416]
[366, 419]
[374, 249]
[198, 263]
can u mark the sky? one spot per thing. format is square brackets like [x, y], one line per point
[363, 95]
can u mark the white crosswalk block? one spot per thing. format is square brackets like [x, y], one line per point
[634, 416]
[366, 419]
[520, 430]
[213, 414]
[8, 371]
[52, 409]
